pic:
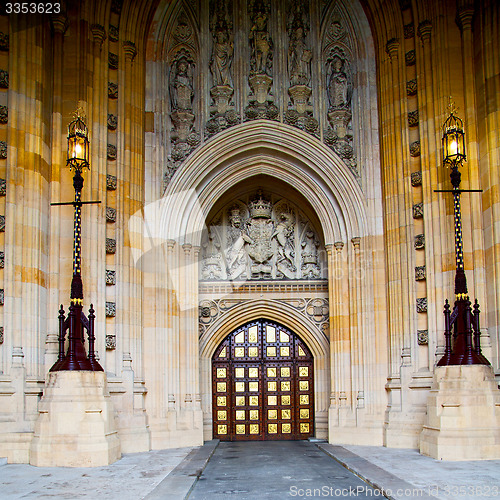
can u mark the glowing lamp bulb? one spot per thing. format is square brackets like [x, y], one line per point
[453, 147]
[78, 151]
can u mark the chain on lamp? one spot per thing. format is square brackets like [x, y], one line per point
[75, 358]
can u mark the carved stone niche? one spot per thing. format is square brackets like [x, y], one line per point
[261, 237]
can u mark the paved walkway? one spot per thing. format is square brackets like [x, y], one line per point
[275, 470]
[284, 469]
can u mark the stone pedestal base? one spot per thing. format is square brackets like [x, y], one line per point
[76, 426]
[463, 415]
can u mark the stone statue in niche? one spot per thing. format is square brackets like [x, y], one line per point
[212, 262]
[310, 266]
[222, 56]
[261, 45]
[285, 253]
[339, 89]
[236, 255]
[299, 58]
[181, 83]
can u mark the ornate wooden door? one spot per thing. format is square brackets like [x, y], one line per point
[262, 376]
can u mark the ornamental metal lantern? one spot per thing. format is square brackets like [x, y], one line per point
[453, 141]
[78, 144]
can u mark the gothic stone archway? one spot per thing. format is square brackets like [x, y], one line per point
[262, 376]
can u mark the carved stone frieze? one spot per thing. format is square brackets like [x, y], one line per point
[418, 210]
[110, 309]
[416, 178]
[415, 149]
[409, 30]
[113, 33]
[4, 79]
[4, 114]
[413, 118]
[260, 238]
[110, 182]
[110, 214]
[422, 305]
[419, 242]
[112, 61]
[410, 58]
[4, 41]
[420, 273]
[411, 87]
[110, 277]
[112, 90]
[423, 337]
[316, 310]
[112, 121]
[111, 151]
[116, 6]
[110, 342]
[110, 245]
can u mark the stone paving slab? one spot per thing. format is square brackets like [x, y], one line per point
[276, 470]
[391, 469]
[130, 478]
[178, 484]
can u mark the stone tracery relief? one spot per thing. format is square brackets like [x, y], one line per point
[261, 239]
[314, 309]
[239, 72]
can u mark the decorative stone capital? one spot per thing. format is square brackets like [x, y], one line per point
[59, 23]
[355, 241]
[130, 50]
[171, 245]
[339, 245]
[99, 33]
[187, 248]
[465, 16]
[392, 47]
[424, 30]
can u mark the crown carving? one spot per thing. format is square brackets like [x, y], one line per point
[260, 208]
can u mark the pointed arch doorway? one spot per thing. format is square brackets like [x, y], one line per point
[262, 378]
